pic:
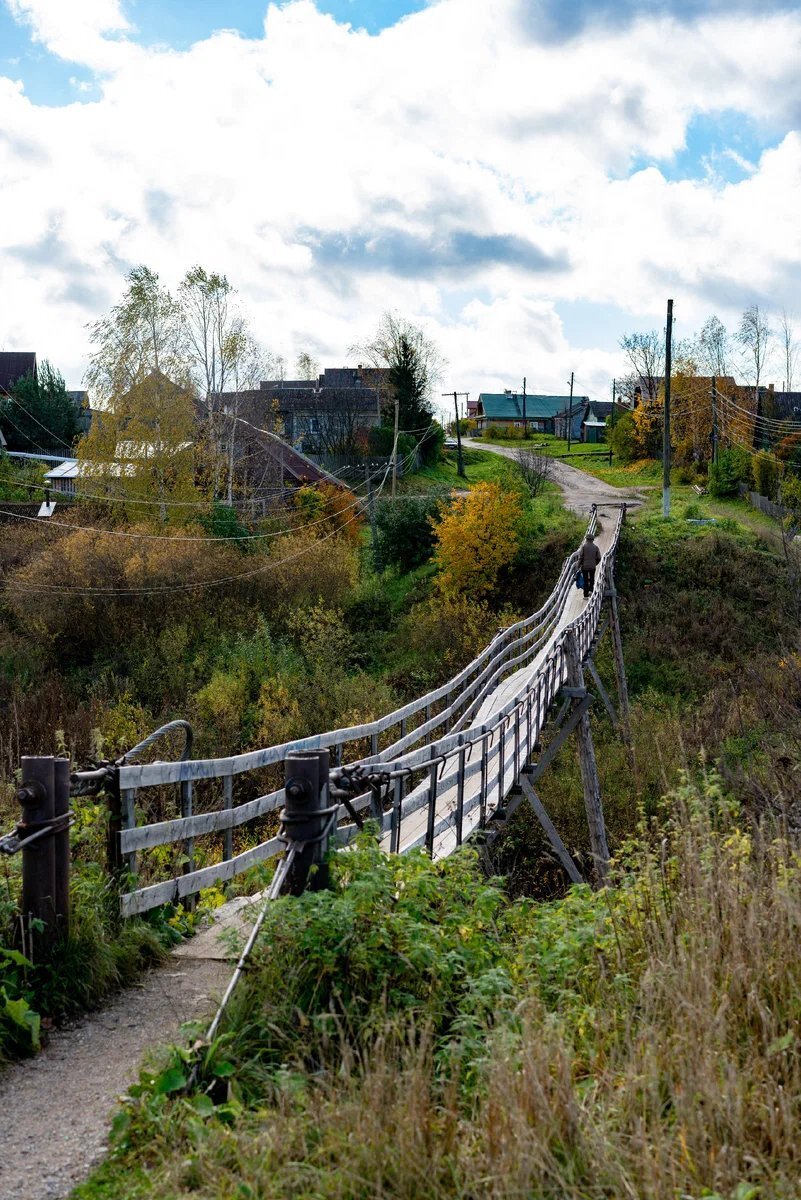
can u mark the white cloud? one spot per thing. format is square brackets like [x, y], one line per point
[76, 30]
[447, 168]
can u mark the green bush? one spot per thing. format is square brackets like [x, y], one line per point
[405, 534]
[732, 468]
[623, 438]
[381, 439]
[766, 475]
[223, 522]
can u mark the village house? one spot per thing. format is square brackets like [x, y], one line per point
[505, 411]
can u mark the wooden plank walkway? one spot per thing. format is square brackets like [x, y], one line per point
[517, 748]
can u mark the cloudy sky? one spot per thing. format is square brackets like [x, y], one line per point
[528, 179]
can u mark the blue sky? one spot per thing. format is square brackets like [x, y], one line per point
[176, 23]
[526, 180]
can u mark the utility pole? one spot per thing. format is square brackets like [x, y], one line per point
[570, 415]
[525, 422]
[459, 459]
[395, 447]
[614, 393]
[666, 424]
[714, 419]
[371, 510]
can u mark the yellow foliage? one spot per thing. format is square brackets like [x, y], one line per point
[330, 509]
[221, 704]
[279, 714]
[476, 538]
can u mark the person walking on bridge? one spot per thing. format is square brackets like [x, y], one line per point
[589, 557]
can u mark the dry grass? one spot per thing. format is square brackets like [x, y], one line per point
[653, 1053]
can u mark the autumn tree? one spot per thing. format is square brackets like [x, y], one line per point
[140, 446]
[141, 334]
[646, 355]
[476, 537]
[140, 449]
[713, 347]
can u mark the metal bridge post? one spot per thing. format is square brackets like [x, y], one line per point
[589, 767]
[61, 840]
[307, 817]
[37, 798]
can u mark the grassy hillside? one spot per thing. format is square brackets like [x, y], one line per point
[425, 1031]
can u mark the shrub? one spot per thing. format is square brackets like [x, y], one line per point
[791, 492]
[766, 476]
[447, 631]
[732, 468]
[328, 509]
[304, 570]
[406, 536]
[138, 587]
[223, 522]
[476, 538]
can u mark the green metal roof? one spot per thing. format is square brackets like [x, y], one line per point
[510, 408]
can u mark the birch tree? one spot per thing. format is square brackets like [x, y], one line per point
[646, 355]
[789, 348]
[141, 334]
[713, 347]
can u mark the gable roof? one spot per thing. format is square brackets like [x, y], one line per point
[598, 411]
[15, 365]
[509, 407]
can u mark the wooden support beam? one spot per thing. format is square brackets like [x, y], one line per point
[557, 742]
[602, 692]
[589, 768]
[550, 829]
[620, 666]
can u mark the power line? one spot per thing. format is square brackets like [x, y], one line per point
[193, 585]
[14, 400]
[179, 587]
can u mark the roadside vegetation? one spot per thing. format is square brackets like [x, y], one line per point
[428, 1030]
[311, 631]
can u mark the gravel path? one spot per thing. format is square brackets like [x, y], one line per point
[580, 490]
[55, 1109]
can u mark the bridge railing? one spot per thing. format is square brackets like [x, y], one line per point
[439, 756]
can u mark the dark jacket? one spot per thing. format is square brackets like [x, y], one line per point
[589, 556]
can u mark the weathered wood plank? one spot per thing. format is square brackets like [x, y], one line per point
[142, 900]
[162, 833]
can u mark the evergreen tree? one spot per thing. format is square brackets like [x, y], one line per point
[39, 416]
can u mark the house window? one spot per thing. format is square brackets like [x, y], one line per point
[517, 424]
[314, 425]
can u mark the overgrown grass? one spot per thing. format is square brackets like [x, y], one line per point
[417, 1034]
[481, 466]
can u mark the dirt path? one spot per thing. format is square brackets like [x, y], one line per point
[580, 490]
[55, 1109]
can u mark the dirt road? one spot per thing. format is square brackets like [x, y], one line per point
[580, 490]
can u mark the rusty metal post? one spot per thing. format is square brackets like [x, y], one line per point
[61, 777]
[36, 795]
[306, 816]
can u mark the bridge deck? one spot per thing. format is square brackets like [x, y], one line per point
[414, 826]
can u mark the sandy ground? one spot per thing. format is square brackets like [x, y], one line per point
[55, 1109]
